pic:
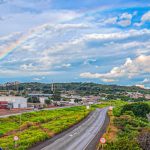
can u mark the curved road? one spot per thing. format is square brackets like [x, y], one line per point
[80, 137]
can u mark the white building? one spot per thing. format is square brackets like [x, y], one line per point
[72, 101]
[15, 101]
[43, 99]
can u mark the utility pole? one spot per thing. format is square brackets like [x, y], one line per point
[52, 87]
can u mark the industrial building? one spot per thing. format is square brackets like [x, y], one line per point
[13, 102]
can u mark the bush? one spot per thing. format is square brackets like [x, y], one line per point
[123, 144]
[144, 139]
[139, 109]
[130, 113]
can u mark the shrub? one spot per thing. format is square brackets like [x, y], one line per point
[139, 109]
[144, 139]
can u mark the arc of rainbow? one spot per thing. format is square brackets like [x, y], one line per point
[16, 44]
[12, 46]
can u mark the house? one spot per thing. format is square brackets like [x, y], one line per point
[13, 101]
[134, 95]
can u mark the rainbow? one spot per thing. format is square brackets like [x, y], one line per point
[12, 46]
[9, 49]
[6, 51]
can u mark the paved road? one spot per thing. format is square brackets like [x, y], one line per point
[80, 137]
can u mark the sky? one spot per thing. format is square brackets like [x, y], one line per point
[75, 41]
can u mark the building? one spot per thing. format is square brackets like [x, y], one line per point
[147, 96]
[3, 105]
[40, 95]
[13, 101]
[135, 95]
[43, 99]
[90, 99]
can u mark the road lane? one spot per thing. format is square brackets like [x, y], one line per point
[80, 137]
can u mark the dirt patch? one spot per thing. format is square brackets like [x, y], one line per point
[111, 132]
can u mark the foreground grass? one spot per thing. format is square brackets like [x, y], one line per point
[38, 126]
[127, 130]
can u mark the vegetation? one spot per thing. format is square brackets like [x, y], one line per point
[138, 109]
[127, 130]
[38, 126]
[56, 96]
[33, 99]
[80, 88]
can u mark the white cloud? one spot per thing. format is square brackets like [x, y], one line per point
[112, 20]
[144, 18]
[108, 80]
[28, 67]
[140, 85]
[146, 81]
[124, 23]
[20, 73]
[66, 65]
[126, 16]
[125, 20]
[130, 69]
[54, 47]
[38, 78]
[117, 35]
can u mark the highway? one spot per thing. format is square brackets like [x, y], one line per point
[80, 137]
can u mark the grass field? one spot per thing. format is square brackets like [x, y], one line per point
[38, 126]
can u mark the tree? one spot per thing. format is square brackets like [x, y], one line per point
[33, 100]
[48, 101]
[77, 100]
[139, 109]
[56, 96]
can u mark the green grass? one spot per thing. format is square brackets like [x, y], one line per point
[42, 125]
[127, 127]
[38, 126]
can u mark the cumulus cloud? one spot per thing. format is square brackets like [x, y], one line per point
[144, 18]
[124, 23]
[146, 81]
[130, 69]
[50, 49]
[123, 20]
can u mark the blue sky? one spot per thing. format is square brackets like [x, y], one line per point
[64, 40]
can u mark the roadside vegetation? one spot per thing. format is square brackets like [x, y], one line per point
[38, 126]
[129, 128]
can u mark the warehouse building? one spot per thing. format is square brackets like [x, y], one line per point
[13, 102]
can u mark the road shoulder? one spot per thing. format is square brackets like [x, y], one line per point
[93, 144]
